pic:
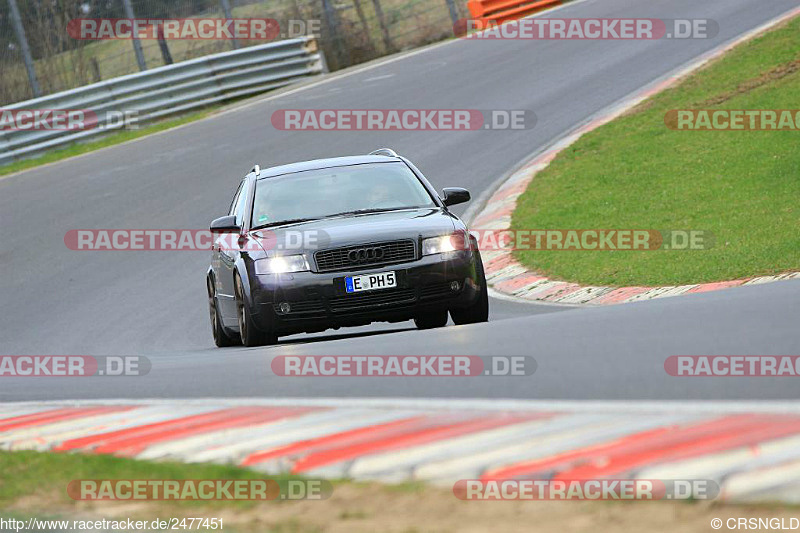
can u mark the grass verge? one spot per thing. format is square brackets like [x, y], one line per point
[108, 140]
[34, 484]
[24, 472]
[635, 173]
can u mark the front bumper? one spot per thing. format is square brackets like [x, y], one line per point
[318, 301]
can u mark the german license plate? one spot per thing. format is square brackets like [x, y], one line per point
[369, 282]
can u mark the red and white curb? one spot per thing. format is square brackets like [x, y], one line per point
[752, 451]
[508, 277]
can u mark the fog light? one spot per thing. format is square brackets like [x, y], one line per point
[286, 308]
[454, 286]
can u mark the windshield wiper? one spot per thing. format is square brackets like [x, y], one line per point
[367, 211]
[342, 214]
[285, 222]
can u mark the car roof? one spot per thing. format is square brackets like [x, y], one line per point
[331, 162]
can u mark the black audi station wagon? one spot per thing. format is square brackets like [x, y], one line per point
[340, 242]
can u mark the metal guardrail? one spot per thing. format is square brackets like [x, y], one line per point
[168, 90]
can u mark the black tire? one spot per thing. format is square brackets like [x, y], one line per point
[250, 334]
[221, 337]
[479, 311]
[431, 319]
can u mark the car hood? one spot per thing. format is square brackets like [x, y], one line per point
[358, 229]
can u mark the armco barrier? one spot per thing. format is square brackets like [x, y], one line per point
[167, 90]
[500, 11]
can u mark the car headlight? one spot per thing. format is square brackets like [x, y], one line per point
[282, 265]
[444, 243]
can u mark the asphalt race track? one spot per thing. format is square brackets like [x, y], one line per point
[58, 301]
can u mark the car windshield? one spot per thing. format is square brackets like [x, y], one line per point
[344, 190]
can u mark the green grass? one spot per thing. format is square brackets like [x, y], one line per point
[636, 173]
[34, 484]
[109, 140]
[45, 476]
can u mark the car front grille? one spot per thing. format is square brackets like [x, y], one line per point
[372, 300]
[367, 301]
[381, 253]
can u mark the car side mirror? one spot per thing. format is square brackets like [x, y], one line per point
[455, 195]
[226, 224]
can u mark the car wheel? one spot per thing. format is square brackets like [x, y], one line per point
[479, 311]
[221, 337]
[431, 319]
[248, 331]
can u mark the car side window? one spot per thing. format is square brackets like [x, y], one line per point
[235, 200]
[239, 207]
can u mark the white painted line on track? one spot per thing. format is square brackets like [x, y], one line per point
[572, 406]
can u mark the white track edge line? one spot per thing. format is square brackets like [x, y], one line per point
[567, 406]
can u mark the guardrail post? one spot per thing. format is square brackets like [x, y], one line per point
[387, 42]
[137, 46]
[333, 31]
[451, 5]
[19, 29]
[162, 44]
[364, 25]
[226, 8]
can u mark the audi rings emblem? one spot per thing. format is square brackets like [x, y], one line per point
[364, 255]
